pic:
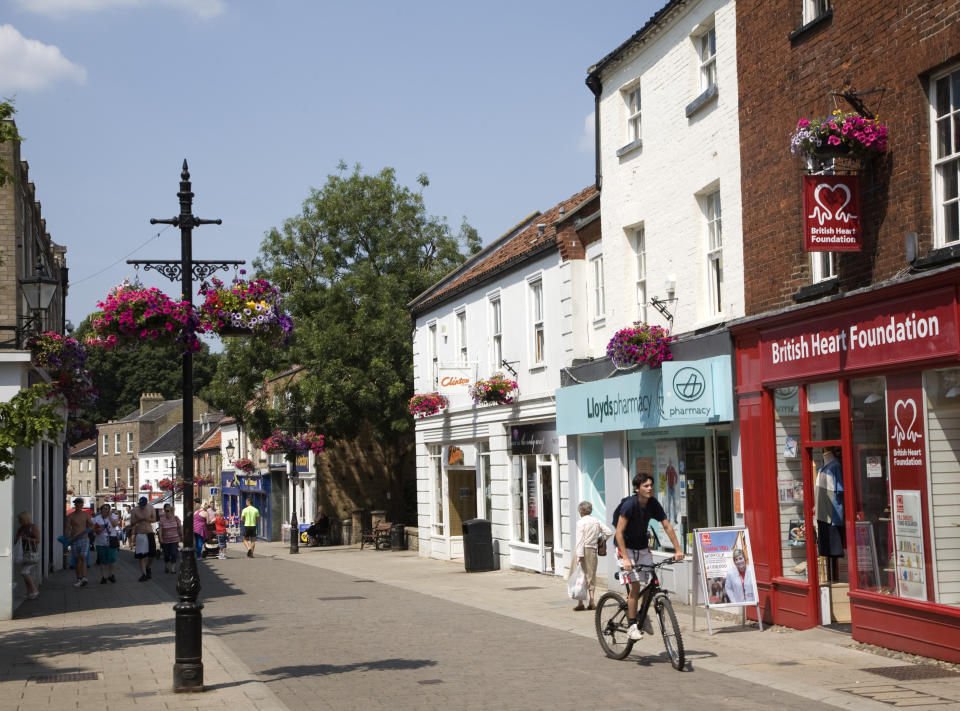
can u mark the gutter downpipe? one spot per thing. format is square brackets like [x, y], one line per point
[596, 86]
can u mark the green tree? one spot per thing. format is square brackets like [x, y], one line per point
[25, 419]
[122, 376]
[8, 132]
[361, 249]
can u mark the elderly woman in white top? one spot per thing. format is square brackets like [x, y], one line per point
[589, 532]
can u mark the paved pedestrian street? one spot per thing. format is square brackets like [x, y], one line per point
[348, 629]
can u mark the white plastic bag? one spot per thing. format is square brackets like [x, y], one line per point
[577, 584]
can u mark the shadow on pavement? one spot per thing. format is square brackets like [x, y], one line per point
[292, 672]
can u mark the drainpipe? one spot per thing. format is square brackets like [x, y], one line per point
[596, 86]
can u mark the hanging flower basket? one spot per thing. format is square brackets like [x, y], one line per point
[640, 344]
[64, 360]
[837, 135]
[244, 465]
[245, 308]
[146, 487]
[132, 315]
[426, 404]
[168, 484]
[116, 498]
[203, 480]
[69, 492]
[498, 390]
[282, 442]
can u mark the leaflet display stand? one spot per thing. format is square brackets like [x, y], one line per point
[723, 572]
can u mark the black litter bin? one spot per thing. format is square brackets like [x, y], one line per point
[398, 537]
[477, 545]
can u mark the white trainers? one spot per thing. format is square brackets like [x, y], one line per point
[635, 633]
[78, 583]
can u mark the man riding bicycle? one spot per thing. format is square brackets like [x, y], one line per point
[635, 515]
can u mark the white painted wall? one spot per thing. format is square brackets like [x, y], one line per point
[657, 184]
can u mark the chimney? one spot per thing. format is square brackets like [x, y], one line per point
[148, 401]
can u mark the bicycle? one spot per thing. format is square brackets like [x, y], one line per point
[611, 618]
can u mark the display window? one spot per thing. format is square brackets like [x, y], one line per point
[533, 499]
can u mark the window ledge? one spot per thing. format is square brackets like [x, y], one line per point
[537, 368]
[600, 322]
[701, 101]
[630, 148]
[815, 22]
[939, 256]
[815, 291]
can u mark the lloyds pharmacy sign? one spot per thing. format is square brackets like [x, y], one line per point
[678, 393]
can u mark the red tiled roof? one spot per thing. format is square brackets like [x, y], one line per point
[527, 242]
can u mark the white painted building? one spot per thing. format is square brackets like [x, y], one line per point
[507, 310]
[668, 161]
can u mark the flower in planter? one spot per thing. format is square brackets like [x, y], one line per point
[840, 133]
[244, 465]
[499, 390]
[203, 480]
[146, 487]
[283, 442]
[640, 344]
[424, 404]
[254, 306]
[132, 315]
[64, 360]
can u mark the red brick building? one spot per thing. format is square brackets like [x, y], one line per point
[853, 356]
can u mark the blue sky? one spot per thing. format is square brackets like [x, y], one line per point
[264, 98]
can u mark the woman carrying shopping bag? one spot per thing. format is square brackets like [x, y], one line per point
[590, 532]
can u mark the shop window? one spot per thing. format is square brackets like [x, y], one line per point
[436, 486]
[790, 487]
[943, 430]
[486, 486]
[873, 526]
[532, 490]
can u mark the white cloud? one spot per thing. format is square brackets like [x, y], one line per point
[31, 64]
[585, 145]
[204, 9]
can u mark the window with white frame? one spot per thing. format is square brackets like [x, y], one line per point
[106, 444]
[707, 51]
[116, 443]
[536, 321]
[462, 335]
[596, 275]
[434, 358]
[129, 442]
[812, 9]
[945, 98]
[712, 218]
[106, 478]
[632, 100]
[640, 248]
[496, 332]
[436, 487]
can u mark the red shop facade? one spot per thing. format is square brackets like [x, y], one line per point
[850, 439]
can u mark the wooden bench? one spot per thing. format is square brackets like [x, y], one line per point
[378, 536]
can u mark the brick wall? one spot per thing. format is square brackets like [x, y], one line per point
[865, 45]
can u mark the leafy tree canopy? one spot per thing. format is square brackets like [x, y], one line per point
[360, 250]
[122, 376]
[25, 419]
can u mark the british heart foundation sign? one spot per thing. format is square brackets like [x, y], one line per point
[831, 213]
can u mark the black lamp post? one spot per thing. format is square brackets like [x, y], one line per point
[230, 450]
[188, 663]
[294, 477]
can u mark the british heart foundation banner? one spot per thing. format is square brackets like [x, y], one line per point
[831, 213]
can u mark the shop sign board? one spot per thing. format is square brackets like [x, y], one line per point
[677, 393]
[534, 439]
[725, 567]
[895, 331]
[831, 213]
[908, 534]
[454, 381]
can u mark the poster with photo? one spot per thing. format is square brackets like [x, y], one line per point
[908, 536]
[725, 563]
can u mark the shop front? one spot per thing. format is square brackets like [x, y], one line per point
[850, 429]
[535, 497]
[237, 488]
[675, 423]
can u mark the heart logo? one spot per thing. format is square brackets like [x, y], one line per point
[901, 433]
[831, 201]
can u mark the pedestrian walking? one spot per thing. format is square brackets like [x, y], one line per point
[76, 529]
[107, 540]
[28, 536]
[221, 526]
[200, 529]
[249, 516]
[590, 531]
[142, 519]
[170, 530]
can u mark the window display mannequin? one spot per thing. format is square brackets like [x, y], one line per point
[831, 540]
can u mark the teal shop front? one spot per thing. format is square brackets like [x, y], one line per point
[675, 423]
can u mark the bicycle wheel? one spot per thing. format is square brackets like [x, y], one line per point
[670, 630]
[611, 622]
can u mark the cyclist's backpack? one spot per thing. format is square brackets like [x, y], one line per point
[616, 511]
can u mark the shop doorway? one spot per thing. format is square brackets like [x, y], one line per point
[534, 516]
[462, 498]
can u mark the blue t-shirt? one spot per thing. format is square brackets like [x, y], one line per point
[638, 518]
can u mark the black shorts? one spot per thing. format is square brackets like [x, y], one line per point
[249, 532]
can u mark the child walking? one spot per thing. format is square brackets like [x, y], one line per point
[221, 524]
